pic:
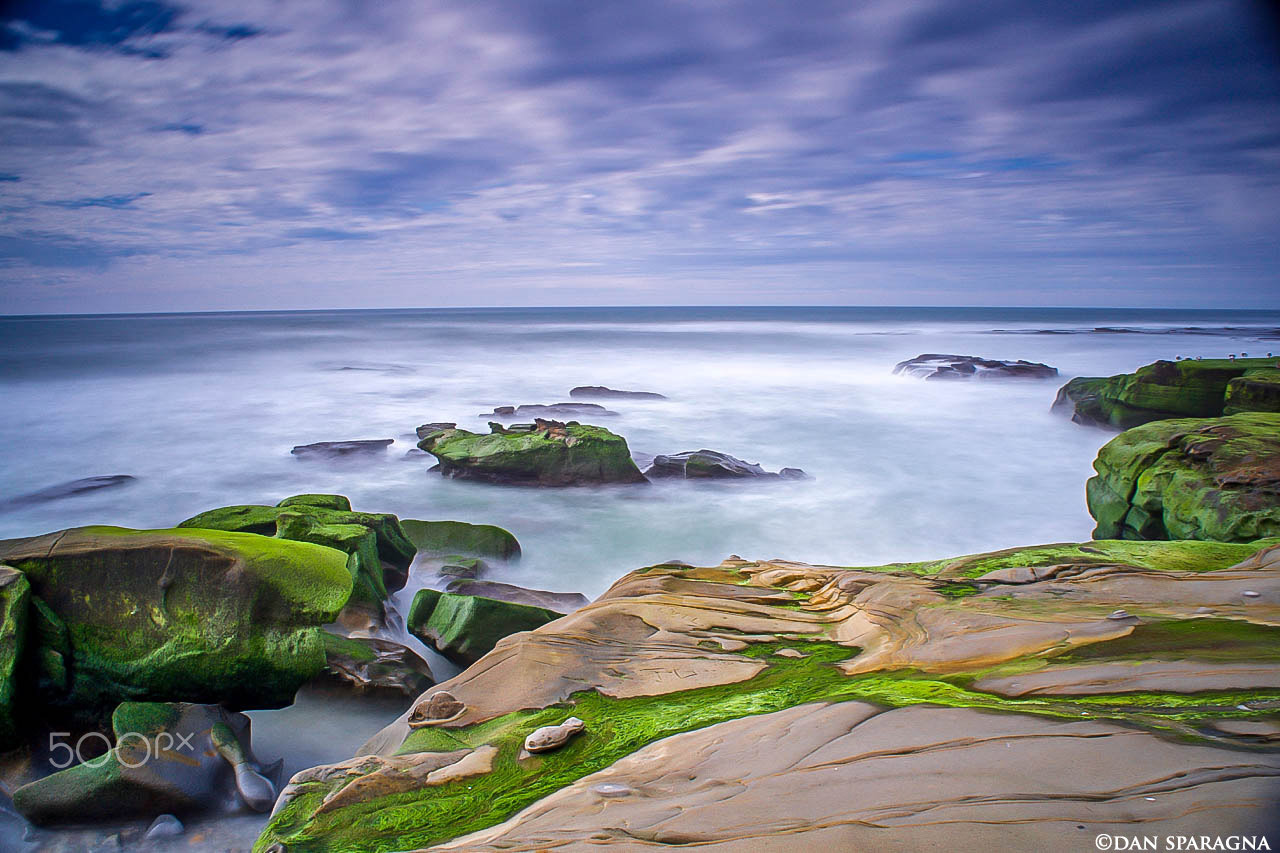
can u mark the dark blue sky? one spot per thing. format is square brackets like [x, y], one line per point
[212, 155]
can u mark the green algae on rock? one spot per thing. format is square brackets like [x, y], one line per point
[549, 454]
[184, 614]
[678, 649]
[15, 600]
[1216, 479]
[450, 538]
[338, 502]
[464, 628]
[167, 758]
[1172, 389]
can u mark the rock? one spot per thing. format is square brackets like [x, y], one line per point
[165, 826]
[341, 449]
[326, 525]
[688, 683]
[599, 392]
[191, 615]
[1216, 479]
[167, 758]
[15, 599]
[555, 454]
[936, 366]
[440, 707]
[553, 410]
[442, 538]
[372, 664]
[67, 490]
[549, 738]
[1172, 389]
[713, 465]
[465, 568]
[558, 602]
[464, 628]
[426, 429]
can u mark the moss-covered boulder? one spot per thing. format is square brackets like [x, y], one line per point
[464, 628]
[548, 453]
[167, 758]
[1056, 676]
[326, 520]
[1255, 391]
[176, 615]
[15, 599]
[447, 538]
[1215, 478]
[1170, 389]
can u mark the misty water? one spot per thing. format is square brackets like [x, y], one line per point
[204, 409]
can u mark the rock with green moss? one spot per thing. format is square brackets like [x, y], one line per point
[464, 628]
[449, 538]
[1170, 389]
[15, 602]
[548, 454]
[375, 665]
[1216, 478]
[168, 758]
[323, 520]
[176, 615]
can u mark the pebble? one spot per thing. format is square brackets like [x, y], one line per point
[548, 738]
[610, 789]
[165, 826]
[1119, 614]
[1248, 593]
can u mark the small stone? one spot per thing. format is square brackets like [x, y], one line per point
[548, 738]
[1119, 614]
[440, 707]
[165, 826]
[610, 789]
[789, 653]
[1248, 593]
[1203, 610]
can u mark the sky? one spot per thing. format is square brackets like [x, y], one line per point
[261, 154]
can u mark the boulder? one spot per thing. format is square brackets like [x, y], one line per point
[464, 628]
[168, 758]
[339, 502]
[713, 465]
[1192, 478]
[442, 538]
[1189, 388]
[372, 664]
[599, 392]
[553, 454]
[176, 615]
[341, 449]
[558, 602]
[67, 490]
[938, 366]
[426, 429]
[15, 599]
[551, 410]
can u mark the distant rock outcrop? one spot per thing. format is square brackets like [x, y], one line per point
[339, 449]
[713, 465]
[599, 392]
[937, 366]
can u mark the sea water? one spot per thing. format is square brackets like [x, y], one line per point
[203, 409]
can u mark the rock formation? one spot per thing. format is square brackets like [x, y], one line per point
[936, 366]
[548, 454]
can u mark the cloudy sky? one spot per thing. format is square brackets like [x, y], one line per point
[337, 153]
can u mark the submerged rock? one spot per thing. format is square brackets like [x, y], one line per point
[67, 490]
[552, 454]
[191, 615]
[599, 392]
[167, 758]
[443, 538]
[550, 738]
[936, 366]
[1216, 478]
[558, 602]
[1172, 389]
[550, 410]
[335, 449]
[713, 465]
[464, 628]
[373, 664]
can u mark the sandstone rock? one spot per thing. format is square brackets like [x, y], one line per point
[434, 709]
[549, 738]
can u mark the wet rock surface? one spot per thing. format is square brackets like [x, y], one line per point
[713, 465]
[342, 449]
[599, 392]
[935, 366]
[550, 410]
[70, 489]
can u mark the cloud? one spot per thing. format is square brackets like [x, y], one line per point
[657, 148]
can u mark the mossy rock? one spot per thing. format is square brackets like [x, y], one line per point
[176, 615]
[15, 601]
[1216, 479]
[1256, 391]
[392, 546]
[464, 628]
[358, 542]
[447, 538]
[1165, 389]
[368, 665]
[552, 454]
[338, 502]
